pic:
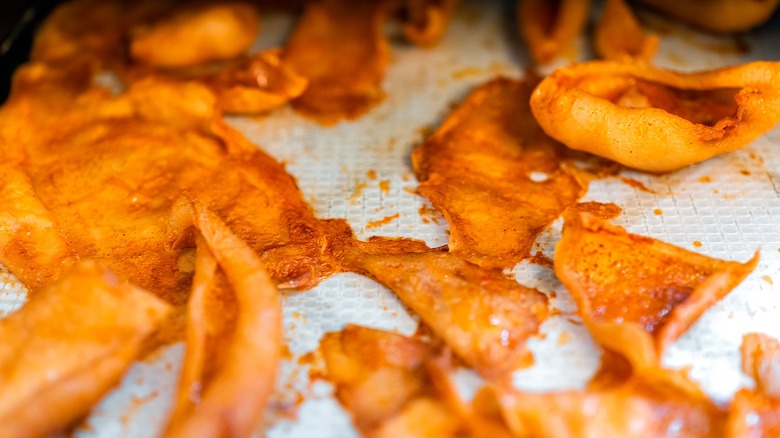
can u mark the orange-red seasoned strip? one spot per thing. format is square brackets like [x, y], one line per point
[70, 345]
[495, 175]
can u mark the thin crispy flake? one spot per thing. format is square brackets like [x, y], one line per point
[755, 413]
[68, 346]
[495, 175]
[638, 295]
[339, 46]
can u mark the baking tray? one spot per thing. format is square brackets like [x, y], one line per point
[729, 217]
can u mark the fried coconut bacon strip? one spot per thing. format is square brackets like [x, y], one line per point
[68, 346]
[619, 35]
[106, 171]
[234, 331]
[718, 15]
[339, 46]
[483, 316]
[495, 175]
[756, 413]
[191, 35]
[635, 294]
[657, 120]
[427, 20]
[204, 42]
[397, 386]
[550, 27]
[629, 408]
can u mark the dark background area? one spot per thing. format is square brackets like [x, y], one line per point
[18, 21]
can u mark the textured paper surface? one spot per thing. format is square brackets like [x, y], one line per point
[731, 216]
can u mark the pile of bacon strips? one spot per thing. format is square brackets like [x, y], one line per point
[137, 217]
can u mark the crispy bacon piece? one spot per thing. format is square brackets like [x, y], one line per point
[427, 20]
[756, 413]
[195, 35]
[619, 35]
[632, 408]
[108, 169]
[396, 386]
[68, 346]
[375, 372]
[483, 316]
[495, 175]
[657, 120]
[204, 42]
[339, 46]
[550, 27]
[259, 84]
[635, 294]
[31, 245]
[718, 15]
[234, 331]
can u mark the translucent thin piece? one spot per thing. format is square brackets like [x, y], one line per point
[551, 27]
[495, 175]
[638, 295]
[483, 316]
[428, 20]
[68, 346]
[339, 46]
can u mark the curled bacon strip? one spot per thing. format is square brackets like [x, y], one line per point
[69, 346]
[234, 332]
[619, 35]
[718, 15]
[756, 413]
[550, 27]
[635, 294]
[657, 120]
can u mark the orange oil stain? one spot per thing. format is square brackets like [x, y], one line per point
[384, 186]
[697, 244]
[384, 221]
[658, 212]
[768, 279]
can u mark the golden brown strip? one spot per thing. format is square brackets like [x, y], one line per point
[718, 15]
[230, 368]
[68, 346]
[635, 294]
[31, 244]
[194, 35]
[619, 35]
[495, 175]
[394, 386]
[756, 412]
[630, 409]
[551, 26]
[259, 84]
[657, 120]
[483, 316]
[338, 45]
